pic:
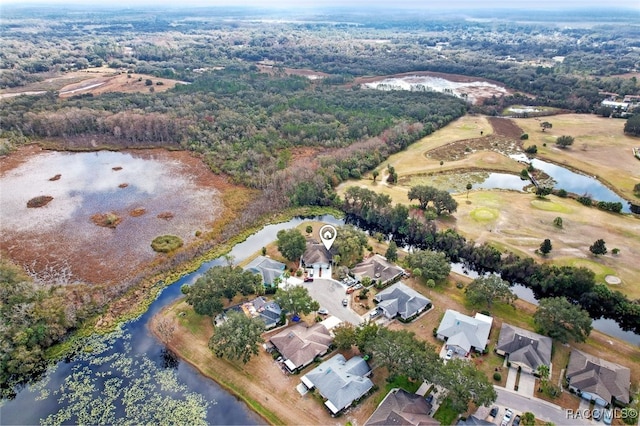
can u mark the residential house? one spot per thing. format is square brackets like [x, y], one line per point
[299, 344]
[317, 257]
[268, 269]
[598, 380]
[464, 333]
[524, 348]
[340, 381]
[401, 408]
[268, 311]
[378, 269]
[402, 301]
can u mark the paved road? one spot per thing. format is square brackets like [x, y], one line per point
[329, 294]
[542, 409]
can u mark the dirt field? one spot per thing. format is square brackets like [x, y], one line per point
[475, 89]
[95, 81]
[600, 148]
[61, 236]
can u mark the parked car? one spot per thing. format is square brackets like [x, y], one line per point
[357, 286]
[607, 417]
[449, 354]
[308, 279]
[374, 313]
[323, 311]
[350, 290]
[429, 398]
[516, 420]
[345, 302]
[494, 412]
[507, 417]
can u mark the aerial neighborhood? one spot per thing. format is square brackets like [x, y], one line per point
[334, 328]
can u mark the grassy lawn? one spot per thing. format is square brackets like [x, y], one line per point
[445, 414]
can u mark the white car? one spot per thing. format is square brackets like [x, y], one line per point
[507, 417]
[449, 354]
[323, 311]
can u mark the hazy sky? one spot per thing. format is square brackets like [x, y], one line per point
[449, 4]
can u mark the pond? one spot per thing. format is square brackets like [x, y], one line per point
[128, 377]
[580, 184]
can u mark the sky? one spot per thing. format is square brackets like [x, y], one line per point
[413, 4]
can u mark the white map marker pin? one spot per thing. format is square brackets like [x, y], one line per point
[328, 235]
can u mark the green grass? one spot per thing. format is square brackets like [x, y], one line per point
[600, 270]
[445, 414]
[401, 382]
[550, 206]
[484, 214]
[166, 243]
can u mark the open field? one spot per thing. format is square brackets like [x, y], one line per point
[94, 81]
[519, 222]
[600, 148]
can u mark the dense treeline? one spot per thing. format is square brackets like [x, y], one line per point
[245, 123]
[578, 285]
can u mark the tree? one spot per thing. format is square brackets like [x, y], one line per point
[344, 336]
[559, 319]
[469, 186]
[308, 229]
[403, 354]
[528, 419]
[489, 289]
[465, 384]
[220, 281]
[375, 175]
[564, 141]
[392, 252]
[433, 265]
[423, 193]
[238, 338]
[543, 191]
[296, 300]
[632, 126]
[291, 243]
[598, 247]
[545, 247]
[349, 244]
[558, 222]
[546, 125]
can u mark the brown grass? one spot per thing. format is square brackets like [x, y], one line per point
[106, 220]
[137, 212]
[165, 215]
[56, 177]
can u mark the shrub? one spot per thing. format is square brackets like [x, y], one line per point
[166, 243]
[533, 149]
[562, 193]
[497, 377]
[524, 136]
[585, 200]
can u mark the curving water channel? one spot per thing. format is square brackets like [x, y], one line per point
[128, 377]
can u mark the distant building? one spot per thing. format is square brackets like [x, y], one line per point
[267, 268]
[299, 344]
[378, 269]
[340, 381]
[402, 301]
[622, 106]
[463, 333]
[401, 408]
[524, 348]
[598, 380]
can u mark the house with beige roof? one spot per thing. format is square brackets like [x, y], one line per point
[378, 269]
[300, 344]
[401, 408]
[598, 380]
[524, 348]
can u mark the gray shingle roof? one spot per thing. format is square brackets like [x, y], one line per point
[316, 253]
[399, 299]
[401, 408]
[268, 268]
[524, 346]
[598, 376]
[465, 331]
[340, 381]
